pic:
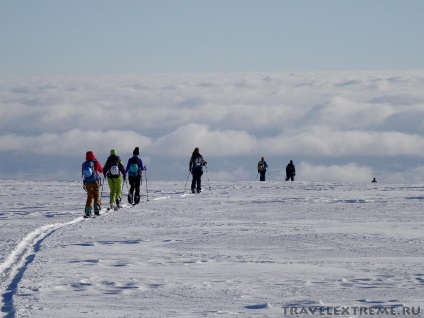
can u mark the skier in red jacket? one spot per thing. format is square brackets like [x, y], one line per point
[90, 171]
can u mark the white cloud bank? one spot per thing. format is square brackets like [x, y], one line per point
[367, 115]
[351, 172]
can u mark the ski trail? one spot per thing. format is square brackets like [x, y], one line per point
[13, 266]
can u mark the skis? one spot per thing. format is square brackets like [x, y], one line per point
[115, 208]
[92, 216]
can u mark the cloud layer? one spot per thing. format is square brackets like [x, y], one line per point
[233, 118]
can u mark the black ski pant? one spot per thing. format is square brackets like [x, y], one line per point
[135, 185]
[262, 175]
[196, 182]
[290, 177]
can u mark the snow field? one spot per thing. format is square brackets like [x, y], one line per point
[243, 249]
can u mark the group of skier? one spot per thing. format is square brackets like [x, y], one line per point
[263, 165]
[115, 173]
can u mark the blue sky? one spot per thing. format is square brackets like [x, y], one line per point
[170, 36]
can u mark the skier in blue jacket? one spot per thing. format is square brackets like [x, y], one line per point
[262, 165]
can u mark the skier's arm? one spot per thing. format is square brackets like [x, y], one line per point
[105, 169]
[128, 166]
[122, 168]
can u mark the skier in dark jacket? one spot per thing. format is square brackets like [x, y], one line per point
[90, 170]
[290, 171]
[134, 170]
[196, 168]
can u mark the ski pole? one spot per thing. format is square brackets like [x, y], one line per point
[101, 192]
[101, 183]
[145, 176]
[122, 190]
[207, 174]
[187, 180]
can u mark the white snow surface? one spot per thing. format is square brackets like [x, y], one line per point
[239, 249]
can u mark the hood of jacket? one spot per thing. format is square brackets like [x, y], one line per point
[90, 156]
[113, 158]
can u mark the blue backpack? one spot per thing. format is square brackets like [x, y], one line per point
[133, 170]
[88, 171]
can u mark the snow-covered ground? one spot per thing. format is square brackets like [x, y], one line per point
[240, 249]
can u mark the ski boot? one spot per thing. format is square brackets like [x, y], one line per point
[199, 190]
[192, 191]
[87, 212]
[118, 202]
[130, 198]
[136, 199]
[96, 209]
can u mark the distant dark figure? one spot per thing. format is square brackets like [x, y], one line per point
[290, 171]
[374, 180]
[262, 165]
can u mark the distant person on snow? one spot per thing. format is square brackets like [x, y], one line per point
[196, 168]
[290, 171]
[374, 180]
[113, 169]
[134, 169]
[90, 170]
[262, 165]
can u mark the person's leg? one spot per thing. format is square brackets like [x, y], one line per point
[118, 190]
[199, 182]
[112, 197]
[90, 198]
[193, 181]
[137, 181]
[96, 195]
[132, 181]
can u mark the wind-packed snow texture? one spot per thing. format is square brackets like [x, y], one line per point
[240, 249]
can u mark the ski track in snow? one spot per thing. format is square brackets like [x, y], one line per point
[20, 257]
[14, 266]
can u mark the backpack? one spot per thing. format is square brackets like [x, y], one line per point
[261, 166]
[113, 169]
[89, 172]
[133, 169]
[198, 163]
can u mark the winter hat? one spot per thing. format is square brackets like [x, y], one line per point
[136, 151]
[262, 158]
[113, 152]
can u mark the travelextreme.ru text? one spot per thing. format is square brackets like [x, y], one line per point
[357, 311]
